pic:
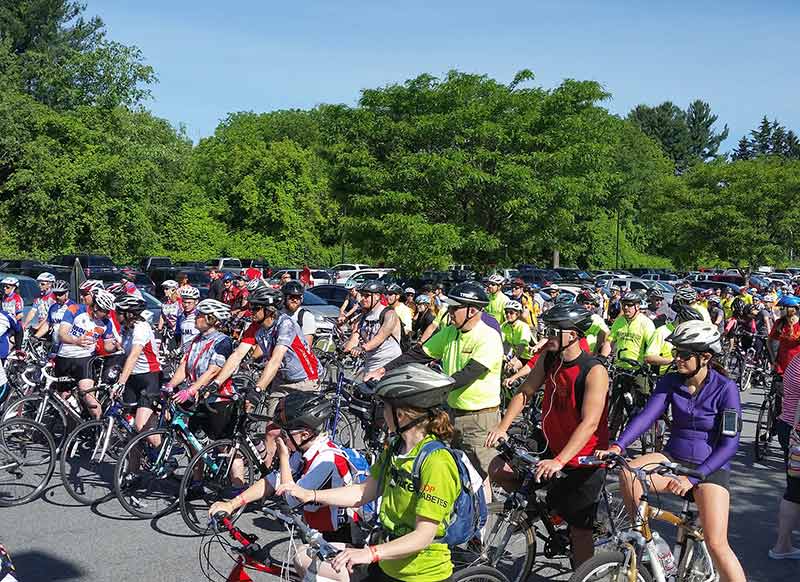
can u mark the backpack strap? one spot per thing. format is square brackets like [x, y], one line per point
[426, 450]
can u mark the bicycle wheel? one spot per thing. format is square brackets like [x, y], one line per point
[746, 378]
[612, 516]
[148, 474]
[209, 478]
[607, 566]
[88, 459]
[764, 428]
[27, 460]
[617, 417]
[348, 431]
[479, 574]
[52, 417]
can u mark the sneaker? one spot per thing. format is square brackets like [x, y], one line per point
[793, 554]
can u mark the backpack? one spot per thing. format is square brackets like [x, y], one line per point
[469, 512]
[405, 338]
[359, 471]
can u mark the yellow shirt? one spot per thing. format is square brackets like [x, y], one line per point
[404, 315]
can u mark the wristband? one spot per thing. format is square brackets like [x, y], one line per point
[240, 500]
[557, 458]
[375, 557]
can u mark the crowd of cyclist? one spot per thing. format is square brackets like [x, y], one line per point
[484, 340]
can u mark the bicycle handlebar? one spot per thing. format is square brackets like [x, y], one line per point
[510, 453]
[612, 459]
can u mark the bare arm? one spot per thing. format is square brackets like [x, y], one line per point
[429, 331]
[233, 361]
[272, 367]
[594, 403]
[390, 323]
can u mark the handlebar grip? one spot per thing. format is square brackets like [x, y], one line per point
[690, 473]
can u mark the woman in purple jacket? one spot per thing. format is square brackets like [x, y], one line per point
[699, 397]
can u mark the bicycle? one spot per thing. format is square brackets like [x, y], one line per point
[637, 555]
[768, 413]
[27, 461]
[250, 555]
[750, 366]
[628, 397]
[510, 541]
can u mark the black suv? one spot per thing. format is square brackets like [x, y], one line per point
[90, 263]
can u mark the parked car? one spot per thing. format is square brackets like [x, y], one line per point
[320, 308]
[716, 285]
[141, 280]
[19, 266]
[333, 294]
[197, 279]
[92, 264]
[191, 265]
[147, 264]
[318, 276]
[659, 277]
[225, 264]
[539, 277]
[260, 264]
[573, 274]
[153, 306]
[370, 275]
[343, 271]
[28, 290]
[630, 283]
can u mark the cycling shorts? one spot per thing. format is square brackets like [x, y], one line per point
[721, 477]
[220, 424]
[143, 389]
[575, 496]
[76, 368]
[792, 492]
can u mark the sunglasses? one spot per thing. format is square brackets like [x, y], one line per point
[630, 304]
[294, 297]
[683, 354]
[552, 332]
[510, 311]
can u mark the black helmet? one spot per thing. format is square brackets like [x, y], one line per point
[394, 289]
[292, 288]
[468, 293]
[374, 286]
[303, 410]
[263, 295]
[568, 316]
[130, 304]
[655, 293]
[415, 386]
[737, 306]
[686, 313]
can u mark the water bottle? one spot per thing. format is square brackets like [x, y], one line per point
[665, 555]
[73, 403]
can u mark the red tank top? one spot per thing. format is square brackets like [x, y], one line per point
[565, 384]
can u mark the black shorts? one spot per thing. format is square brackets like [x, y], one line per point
[218, 425]
[575, 496]
[77, 368]
[143, 389]
[792, 492]
[721, 477]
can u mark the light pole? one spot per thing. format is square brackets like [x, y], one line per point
[617, 261]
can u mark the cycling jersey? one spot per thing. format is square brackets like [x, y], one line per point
[695, 432]
[304, 318]
[368, 327]
[82, 324]
[727, 306]
[455, 349]
[788, 337]
[230, 295]
[747, 298]
[132, 289]
[185, 330]
[497, 306]
[209, 349]
[422, 322]
[564, 388]
[299, 363]
[598, 325]
[8, 326]
[401, 504]
[170, 310]
[141, 334]
[54, 316]
[42, 304]
[13, 304]
[322, 466]
[518, 334]
[634, 339]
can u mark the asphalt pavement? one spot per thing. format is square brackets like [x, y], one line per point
[53, 539]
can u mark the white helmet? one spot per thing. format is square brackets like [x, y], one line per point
[189, 292]
[46, 277]
[90, 285]
[496, 279]
[349, 284]
[410, 290]
[169, 284]
[514, 305]
[103, 300]
[10, 281]
[218, 309]
[254, 284]
[696, 336]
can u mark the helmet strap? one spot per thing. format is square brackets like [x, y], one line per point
[411, 424]
[561, 346]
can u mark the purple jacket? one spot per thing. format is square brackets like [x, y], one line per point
[695, 435]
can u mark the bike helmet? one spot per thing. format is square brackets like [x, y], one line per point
[116, 288]
[394, 289]
[10, 281]
[300, 410]
[655, 293]
[130, 304]
[60, 287]
[570, 316]
[422, 299]
[259, 283]
[737, 307]
[263, 296]
[686, 295]
[415, 386]
[513, 306]
[170, 284]
[189, 292]
[587, 298]
[410, 291]
[468, 293]
[770, 298]
[292, 288]
[103, 300]
[349, 284]
[713, 299]
[372, 287]
[696, 336]
[631, 297]
[789, 301]
[518, 283]
[227, 276]
[221, 311]
[685, 313]
[46, 277]
[495, 279]
[90, 285]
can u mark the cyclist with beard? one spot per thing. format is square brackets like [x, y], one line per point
[575, 421]
[657, 310]
[698, 395]
[293, 307]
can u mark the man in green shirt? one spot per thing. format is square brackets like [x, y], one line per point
[497, 299]
[633, 335]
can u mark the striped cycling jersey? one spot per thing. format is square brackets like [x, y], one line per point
[141, 334]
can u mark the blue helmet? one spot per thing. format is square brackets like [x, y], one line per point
[789, 301]
[227, 277]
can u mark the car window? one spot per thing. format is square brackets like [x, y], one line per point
[343, 267]
[638, 285]
[310, 299]
[29, 290]
[231, 263]
[152, 302]
[319, 274]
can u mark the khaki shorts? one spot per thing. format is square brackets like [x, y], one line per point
[280, 389]
[470, 437]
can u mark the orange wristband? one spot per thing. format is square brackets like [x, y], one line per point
[375, 557]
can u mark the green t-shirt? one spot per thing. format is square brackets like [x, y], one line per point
[518, 336]
[400, 506]
[456, 349]
[441, 318]
[635, 339]
[597, 326]
[496, 307]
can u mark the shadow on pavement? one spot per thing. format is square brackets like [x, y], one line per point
[38, 566]
[174, 522]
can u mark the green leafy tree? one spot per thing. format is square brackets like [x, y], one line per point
[704, 140]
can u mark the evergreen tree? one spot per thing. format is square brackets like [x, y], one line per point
[792, 146]
[762, 137]
[777, 146]
[704, 141]
[744, 149]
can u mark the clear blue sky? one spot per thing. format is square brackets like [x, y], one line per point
[213, 58]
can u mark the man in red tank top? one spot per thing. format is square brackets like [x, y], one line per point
[575, 422]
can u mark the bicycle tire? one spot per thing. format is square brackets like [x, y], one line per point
[53, 418]
[97, 481]
[763, 429]
[611, 562]
[195, 512]
[746, 378]
[616, 417]
[21, 438]
[479, 574]
[161, 474]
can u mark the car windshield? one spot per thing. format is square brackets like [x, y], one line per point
[664, 286]
[152, 302]
[310, 299]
